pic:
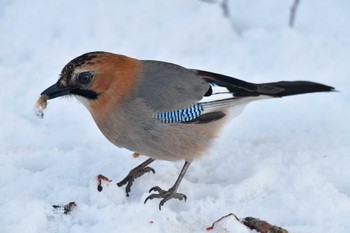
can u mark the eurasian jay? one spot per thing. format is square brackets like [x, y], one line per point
[159, 109]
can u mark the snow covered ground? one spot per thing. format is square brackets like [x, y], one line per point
[286, 160]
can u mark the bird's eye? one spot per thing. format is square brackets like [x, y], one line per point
[84, 77]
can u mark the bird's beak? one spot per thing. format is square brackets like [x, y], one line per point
[56, 91]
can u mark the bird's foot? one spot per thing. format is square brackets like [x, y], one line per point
[165, 195]
[133, 174]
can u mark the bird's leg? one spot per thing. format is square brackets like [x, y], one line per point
[135, 173]
[171, 193]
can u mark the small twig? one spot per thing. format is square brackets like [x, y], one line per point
[213, 225]
[209, 1]
[223, 4]
[225, 8]
[293, 12]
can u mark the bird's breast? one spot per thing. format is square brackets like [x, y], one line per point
[134, 127]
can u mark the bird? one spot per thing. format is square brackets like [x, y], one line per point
[161, 110]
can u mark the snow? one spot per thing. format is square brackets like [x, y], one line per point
[283, 160]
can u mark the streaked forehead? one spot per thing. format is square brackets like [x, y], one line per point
[85, 59]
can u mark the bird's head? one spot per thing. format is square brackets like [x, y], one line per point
[96, 79]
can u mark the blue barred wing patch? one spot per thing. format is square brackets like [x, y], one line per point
[181, 115]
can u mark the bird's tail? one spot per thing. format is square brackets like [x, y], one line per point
[288, 88]
[240, 88]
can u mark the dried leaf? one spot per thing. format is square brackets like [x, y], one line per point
[99, 179]
[262, 226]
[66, 208]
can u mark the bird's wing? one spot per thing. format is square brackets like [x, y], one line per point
[180, 95]
[169, 87]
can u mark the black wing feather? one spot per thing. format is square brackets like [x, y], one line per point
[240, 88]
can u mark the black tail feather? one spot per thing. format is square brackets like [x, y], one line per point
[297, 87]
[240, 88]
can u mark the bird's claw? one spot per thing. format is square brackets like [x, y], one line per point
[165, 195]
[133, 174]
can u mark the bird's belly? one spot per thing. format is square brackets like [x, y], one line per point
[176, 141]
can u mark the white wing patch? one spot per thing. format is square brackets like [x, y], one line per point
[222, 99]
[218, 93]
